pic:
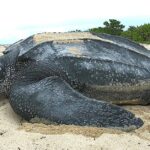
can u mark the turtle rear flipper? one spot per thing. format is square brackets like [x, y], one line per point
[53, 99]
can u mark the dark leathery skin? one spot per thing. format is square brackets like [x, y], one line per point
[50, 75]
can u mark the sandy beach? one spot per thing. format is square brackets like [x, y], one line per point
[146, 46]
[17, 134]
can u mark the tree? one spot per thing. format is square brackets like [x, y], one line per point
[77, 30]
[131, 28]
[136, 33]
[144, 31]
[112, 26]
[139, 33]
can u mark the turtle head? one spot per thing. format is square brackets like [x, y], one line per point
[7, 70]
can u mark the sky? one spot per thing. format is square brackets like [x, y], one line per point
[22, 18]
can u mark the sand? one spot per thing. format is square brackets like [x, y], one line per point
[146, 46]
[2, 48]
[17, 134]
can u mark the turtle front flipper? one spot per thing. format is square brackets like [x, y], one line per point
[53, 100]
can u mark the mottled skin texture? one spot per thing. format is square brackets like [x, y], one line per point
[99, 69]
[50, 75]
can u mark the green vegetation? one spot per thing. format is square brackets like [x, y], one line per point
[75, 30]
[136, 33]
[112, 26]
[139, 33]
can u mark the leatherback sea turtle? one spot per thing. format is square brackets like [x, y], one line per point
[63, 77]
